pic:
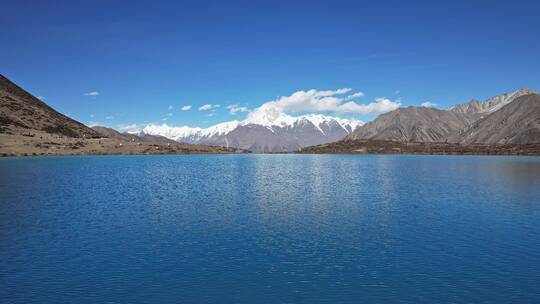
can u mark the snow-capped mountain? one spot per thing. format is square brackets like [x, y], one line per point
[191, 135]
[263, 131]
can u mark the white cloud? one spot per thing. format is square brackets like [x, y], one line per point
[380, 105]
[169, 114]
[41, 98]
[109, 117]
[91, 115]
[314, 101]
[235, 108]
[170, 108]
[93, 93]
[211, 114]
[428, 104]
[355, 95]
[208, 107]
[186, 108]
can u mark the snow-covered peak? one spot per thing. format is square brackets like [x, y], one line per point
[266, 119]
[171, 132]
[268, 115]
[193, 133]
[318, 120]
[221, 128]
[271, 115]
[271, 118]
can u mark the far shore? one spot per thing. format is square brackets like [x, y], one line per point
[38, 143]
[347, 148]
[395, 147]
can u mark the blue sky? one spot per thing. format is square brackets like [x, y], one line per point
[143, 58]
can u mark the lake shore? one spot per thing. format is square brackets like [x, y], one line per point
[36, 143]
[394, 147]
[52, 145]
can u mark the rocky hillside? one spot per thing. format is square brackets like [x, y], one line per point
[476, 109]
[20, 112]
[412, 124]
[517, 122]
[509, 121]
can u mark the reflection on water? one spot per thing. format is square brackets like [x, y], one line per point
[270, 228]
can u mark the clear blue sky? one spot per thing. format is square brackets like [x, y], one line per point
[142, 58]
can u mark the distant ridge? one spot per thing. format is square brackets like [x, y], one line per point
[141, 137]
[283, 133]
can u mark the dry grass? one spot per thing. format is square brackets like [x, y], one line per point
[32, 143]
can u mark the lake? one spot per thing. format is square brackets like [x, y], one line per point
[270, 229]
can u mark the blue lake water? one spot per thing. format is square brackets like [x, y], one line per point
[270, 229]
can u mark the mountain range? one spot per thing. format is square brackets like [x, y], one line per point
[30, 126]
[470, 122]
[283, 133]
